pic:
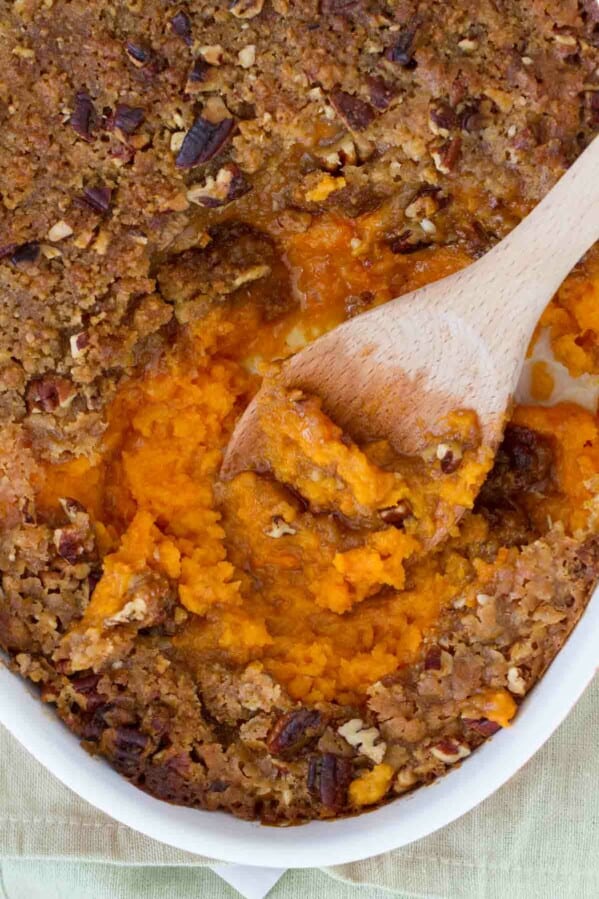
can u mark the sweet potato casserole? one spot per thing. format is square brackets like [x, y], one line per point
[191, 193]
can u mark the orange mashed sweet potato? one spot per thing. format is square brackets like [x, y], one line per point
[263, 574]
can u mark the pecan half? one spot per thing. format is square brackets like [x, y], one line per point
[328, 778]
[295, 731]
[356, 113]
[203, 141]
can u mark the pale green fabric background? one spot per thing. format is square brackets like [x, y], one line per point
[536, 837]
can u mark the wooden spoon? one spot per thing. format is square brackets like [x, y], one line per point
[458, 343]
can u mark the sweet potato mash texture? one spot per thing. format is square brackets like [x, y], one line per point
[326, 603]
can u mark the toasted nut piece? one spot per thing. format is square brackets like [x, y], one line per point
[49, 393]
[135, 610]
[482, 726]
[328, 777]
[406, 778]
[246, 9]
[78, 343]
[367, 740]
[450, 751]
[397, 514]
[59, 231]
[515, 682]
[68, 543]
[229, 184]
[280, 528]
[213, 54]
[442, 119]
[247, 56]
[450, 456]
[467, 45]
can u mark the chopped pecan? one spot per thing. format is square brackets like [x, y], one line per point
[432, 659]
[83, 117]
[181, 25]
[230, 184]
[401, 51]
[482, 726]
[449, 456]
[69, 543]
[246, 9]
[139, 53]
[72, 508]
[450, 751]
[356, 113]
[203, 141]
[295, 731]
[97, 198]
[366, 740]
[213, 54]
[446, 156]
[129, 745]
[338, 7]
[78, 343]
[405, 243]
[442, 118]
[381, 92]
[328, 778]
[470, 118]
[74, 540]
[515, 682]
[397, 514]
[280, 528]
[85, 683]
[48, 393]
[128, 118]
[200, 71]
[26, 252]
[356, 303]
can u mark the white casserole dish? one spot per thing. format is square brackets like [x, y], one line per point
[318, 843]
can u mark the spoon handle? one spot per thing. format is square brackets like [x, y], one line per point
[536, 256]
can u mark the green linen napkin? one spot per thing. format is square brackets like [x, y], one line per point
[537, 836]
